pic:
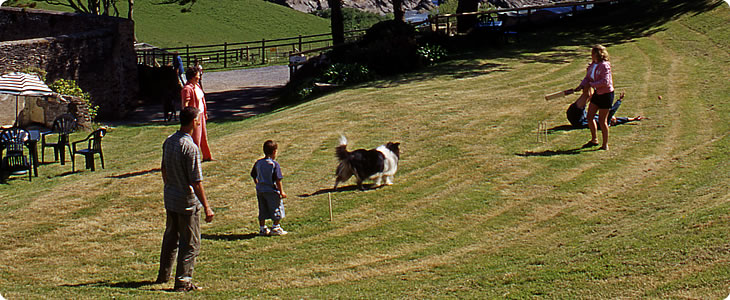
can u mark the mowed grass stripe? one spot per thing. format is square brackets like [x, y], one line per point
[532, 225]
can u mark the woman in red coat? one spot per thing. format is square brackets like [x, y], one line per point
[192, 95]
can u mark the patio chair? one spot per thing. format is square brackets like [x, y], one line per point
[93, 147]
[15, 162]
[63, 126]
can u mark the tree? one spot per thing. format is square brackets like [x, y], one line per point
[337, 22]
[97, 7]
[130, 15]
[466, 23]
[398, 12]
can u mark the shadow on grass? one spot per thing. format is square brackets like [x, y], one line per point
[349, 188]
[551, 152]
[67, 173]
[228, 237]
[125, 284]
[571, 128]
[562, 128]
[133, 174]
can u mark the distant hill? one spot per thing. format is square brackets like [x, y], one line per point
[210, 22]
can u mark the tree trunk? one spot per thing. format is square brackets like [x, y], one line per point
[398, 12]
[130, 15]
[337, 22]
[466, 23]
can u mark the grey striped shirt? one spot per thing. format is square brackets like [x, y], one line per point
[181, 162]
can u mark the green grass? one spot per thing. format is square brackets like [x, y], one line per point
[478, 209]
[215, 22]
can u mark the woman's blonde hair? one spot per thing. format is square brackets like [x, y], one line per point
[601, 52]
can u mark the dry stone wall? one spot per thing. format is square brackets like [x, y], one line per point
[96, 51]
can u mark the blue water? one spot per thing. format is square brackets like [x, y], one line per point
[412, 16]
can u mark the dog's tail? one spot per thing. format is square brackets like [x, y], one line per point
[341, 150]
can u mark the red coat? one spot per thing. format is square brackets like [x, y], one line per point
[189, 98]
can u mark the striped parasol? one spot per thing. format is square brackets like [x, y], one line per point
[22, 84]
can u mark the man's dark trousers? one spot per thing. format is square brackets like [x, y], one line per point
[182, 237]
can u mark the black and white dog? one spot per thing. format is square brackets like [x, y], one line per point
[376, 164]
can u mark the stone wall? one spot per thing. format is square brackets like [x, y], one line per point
[96, 51]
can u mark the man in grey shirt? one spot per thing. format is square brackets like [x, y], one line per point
[184, 197]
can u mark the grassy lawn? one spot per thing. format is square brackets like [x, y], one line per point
[479, 209]
[215, 22]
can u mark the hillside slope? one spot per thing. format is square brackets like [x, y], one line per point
[479, 208]
[215, 22]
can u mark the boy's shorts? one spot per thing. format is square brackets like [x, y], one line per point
[270, 206]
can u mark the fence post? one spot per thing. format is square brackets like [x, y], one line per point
[300, 43]
[448, 26]
[225, 54]
[187, 54]
[248, 54]
[263, 52]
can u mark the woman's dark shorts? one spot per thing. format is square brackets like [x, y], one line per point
[603, 101]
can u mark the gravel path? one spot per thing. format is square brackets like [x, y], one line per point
[241, 79]
[230, 95]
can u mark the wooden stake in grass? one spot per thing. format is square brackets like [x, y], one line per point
[542, 132]
[329, 198]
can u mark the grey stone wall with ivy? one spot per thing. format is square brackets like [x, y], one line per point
[96, 51]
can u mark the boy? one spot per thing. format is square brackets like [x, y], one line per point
[266, 174]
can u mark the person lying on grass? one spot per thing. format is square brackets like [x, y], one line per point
[576, 113]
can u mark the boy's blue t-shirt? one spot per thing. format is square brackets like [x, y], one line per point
[266, 171]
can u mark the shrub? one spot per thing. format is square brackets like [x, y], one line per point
[35, 70]
[69, 87]
[389, 48]
[431, 53]
[340, 73]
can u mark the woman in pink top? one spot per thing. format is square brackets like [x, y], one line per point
[192, 95]
[598, 77]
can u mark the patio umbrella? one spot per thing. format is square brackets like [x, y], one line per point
[22, 84]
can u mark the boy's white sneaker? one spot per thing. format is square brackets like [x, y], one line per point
[278, 231]
[264, 231]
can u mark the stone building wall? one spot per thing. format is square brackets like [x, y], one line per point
[96, 51]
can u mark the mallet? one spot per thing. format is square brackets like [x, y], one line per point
[559, 94]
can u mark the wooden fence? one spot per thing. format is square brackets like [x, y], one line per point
[240, 54]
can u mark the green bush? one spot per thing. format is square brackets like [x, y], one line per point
[69, 87]
[432, 53]
[35, 70]
[340, 73]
